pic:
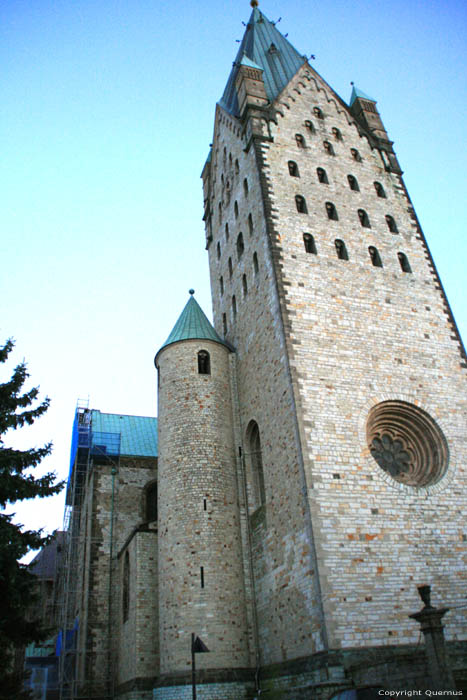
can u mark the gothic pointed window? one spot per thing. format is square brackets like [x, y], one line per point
[309, 126]
[375, 256]
[309, 243]
[300, 141]
[300, 204]
[364, 219]
[126, 587]
[244, 286]
[327, 145]
[355, 155]
[380, 190]
[151, 502]
[255, 462]
[353, 184]
[293, 169]
[341, 250]
[322, 176]
[245, 187]
[204, 362]
[331, 211]
[318, 113]
[404, 262]
[391, 223]
[240, 245]
[336, 133]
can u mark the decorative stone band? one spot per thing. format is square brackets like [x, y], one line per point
[407, 443]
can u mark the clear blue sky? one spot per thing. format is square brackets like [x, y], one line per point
[107, 115]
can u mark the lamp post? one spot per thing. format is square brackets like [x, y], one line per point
[197, 647]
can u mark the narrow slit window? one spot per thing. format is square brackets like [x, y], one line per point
[364, 219]
[380, 190]
[375, 256]
[256, 464]
[293, 169]
[353, 184]
[404, 262]
[221, 285]
[250, 224]
[204, 362]
[205, 504]
[309, 243]
[201, 572]
[300, 141]
[220, 212]
[245, 187]
[255, 264]
[218, 251]
[236, 210]
[331, 211]
[244, 286]
[392, 226]
[240, 245]
[227, 234]
[234, 307]
[327, 145]
[151, 503]
[224, 324]
[230, 268]
[322, 176]
[237, 167]
[341, 249]
[300, 204]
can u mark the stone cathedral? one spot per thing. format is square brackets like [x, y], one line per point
[308, 471]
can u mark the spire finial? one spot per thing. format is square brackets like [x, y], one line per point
[254, 3]
[191, 291]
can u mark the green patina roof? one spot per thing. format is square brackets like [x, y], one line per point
[192, 324]
[266, 48]
[356, 92]
[138, 434]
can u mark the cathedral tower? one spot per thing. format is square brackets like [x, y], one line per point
[350, 371]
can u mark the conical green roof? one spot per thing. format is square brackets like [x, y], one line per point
[265, 46]
[356, 92]
[192, 324]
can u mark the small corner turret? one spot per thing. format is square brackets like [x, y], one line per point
[363, 108]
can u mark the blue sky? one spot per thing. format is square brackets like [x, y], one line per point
[106, 121]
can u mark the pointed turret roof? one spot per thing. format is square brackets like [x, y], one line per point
[192, 324]
[268, 49]
[356, 92]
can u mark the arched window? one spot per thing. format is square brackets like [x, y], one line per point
[230, 268]
[404, 263]
[236, 210]
[300, 204]
[327, 145]
[227, 232]
[240, 245]
[293, 169]
[322, 176]
[364, 220]
[218, 251]
[255, 459]
[245, 187]
[234, 307]
[126, 587]
[221, 285]
[356, 155]
[318, 113]
[341, 249]
[309, 126]
[331, 211]
[353, 184]
[391, 223]
[151, 502]
[255, 264]
[244, 285]
[375, 256]
[300, 140]
[204, 362]
[336, 133]
[380, 190]
[250, 224]
[309, 243]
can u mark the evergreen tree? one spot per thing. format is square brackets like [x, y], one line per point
[17, 583]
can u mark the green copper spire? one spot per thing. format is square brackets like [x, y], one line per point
[263, 46]
[192, 324]
[356, 92]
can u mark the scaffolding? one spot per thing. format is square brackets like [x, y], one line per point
[78, 658]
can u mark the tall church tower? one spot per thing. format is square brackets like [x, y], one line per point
[350, 376]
